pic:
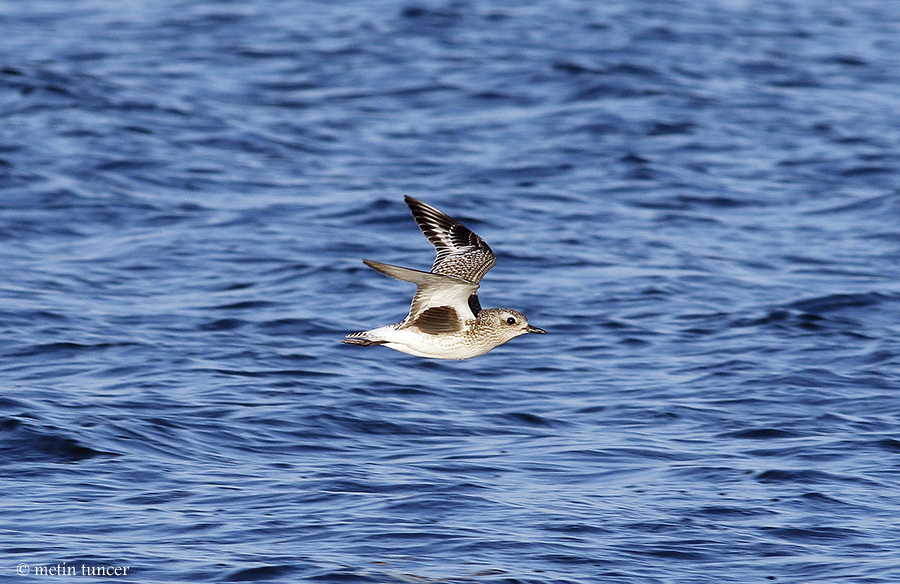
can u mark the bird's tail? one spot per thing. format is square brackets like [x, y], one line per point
[362, 339]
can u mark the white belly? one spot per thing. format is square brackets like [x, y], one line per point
[441, 346]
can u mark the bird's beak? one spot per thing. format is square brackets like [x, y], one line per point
[534, 329]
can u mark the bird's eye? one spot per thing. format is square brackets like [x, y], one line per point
[510, 320]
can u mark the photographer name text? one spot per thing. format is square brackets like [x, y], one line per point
[68, 570]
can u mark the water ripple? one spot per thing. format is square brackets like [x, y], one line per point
[697, 200]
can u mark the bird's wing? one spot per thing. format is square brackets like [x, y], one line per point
[460, 253]
[441, 302]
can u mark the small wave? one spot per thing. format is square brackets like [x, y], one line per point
[804, 476]
[762, 434]
[21, 442]
[261, 573]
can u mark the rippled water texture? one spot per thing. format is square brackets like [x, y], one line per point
[698, 200]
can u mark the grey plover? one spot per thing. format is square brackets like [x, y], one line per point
[446, 320]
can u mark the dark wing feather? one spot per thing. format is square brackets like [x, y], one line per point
[437, 320]
[460, 252]
[432, 290]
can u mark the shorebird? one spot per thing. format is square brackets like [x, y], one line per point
[445, 320]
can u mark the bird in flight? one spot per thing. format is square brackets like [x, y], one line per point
[445, 320]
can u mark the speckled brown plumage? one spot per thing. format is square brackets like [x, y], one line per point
[445, 319]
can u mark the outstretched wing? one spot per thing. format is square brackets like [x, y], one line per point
[441, 302]
[460, 252]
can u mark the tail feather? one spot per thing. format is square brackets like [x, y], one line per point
[361, 342]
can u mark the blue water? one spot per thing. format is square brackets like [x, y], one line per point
[700, 201]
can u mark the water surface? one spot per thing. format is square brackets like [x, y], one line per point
[698, 200]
